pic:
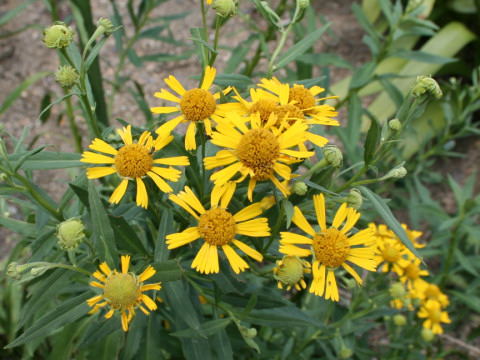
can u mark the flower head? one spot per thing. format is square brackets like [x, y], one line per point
[122, 291]
[134, 161]
[67, 76]
[257, 152]
[434, 316]
[70, 234]
[330, 247]
[58, 36]
[289, 271]
[195, 105]
[218, 227]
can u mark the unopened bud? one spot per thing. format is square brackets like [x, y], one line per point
[67, 76]
[354, 199]
[425, 84]
[38, 271]
[398, 173]
[107, 25]
[299, 188]
[427, 335]
[303, 4]
[225, 8]
[289, 271]
[345, 353]
[395, 124]
[70, 234]
[58, 35]
[397, 291]
[333, 155]
[13, 270]
[399, 320]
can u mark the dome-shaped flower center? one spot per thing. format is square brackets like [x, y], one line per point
[258, 149]
[302, 97]
[264, 107]
[290, 271]
[331, 247]
[121, 290]
[435, 315]
[432, 291]
[289, 112]
[197, 104]
[412, 271]
[217, 226]
[133, 161]
[390, 254]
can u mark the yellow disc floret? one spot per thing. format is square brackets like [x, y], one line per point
[217, 226]
[197, 104]
[331, 247]
[133, 161]
[412, 271]
[258, 149]
[390, 254]
[301, 97]
[264, 107]
[121, 290]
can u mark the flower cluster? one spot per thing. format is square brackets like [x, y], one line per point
[411, 291]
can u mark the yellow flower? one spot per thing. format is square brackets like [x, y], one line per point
[434, 316]
[431, 292]
[289, 271]
[257, 152]
[122, 291]
[390, 250]
[218, 227]
[412, 273]
[195, 105]
[330, 247]
[134, 161]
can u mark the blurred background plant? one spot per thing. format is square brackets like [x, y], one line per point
[223, 316]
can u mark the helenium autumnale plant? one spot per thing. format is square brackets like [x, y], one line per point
[230, 224]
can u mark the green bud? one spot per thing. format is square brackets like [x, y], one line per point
[303, 4]
[58, 35]
[354, 199]
[67, 76]
[397, 291]
[333, 155]
[70, 234]
[399, 320]
[299, 188]
[14, 271]
[289, 270]
[107, 25]
[397, 173]
[416, 302]
[427, 335]
[225, 8]
[252, 333]
[38, 271]
[395, 124]
[345, 353]
[425, 85]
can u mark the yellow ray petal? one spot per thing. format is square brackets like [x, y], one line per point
[102, 146]
[236, 262]
[165, 129]
[167, 173]
[352, 218]
[301, 222]
[179, 239]
[318, 284]
[162, 185]
[183, 204]
[126, 134]
[124, 321]
[175, 85]
[142, 196]
[150, 287]
[119, 192]
[256, 228]
[248, 213]
[94, 158]
[125, 263]
[92, 301]
[223, 157]
[340, 216]
[190, 143]
[353, 273]
[106, 270]
[319, 202]
[148, 301]
[200, 261]
[293, 250]
[227, 194]
[191, 199]
[166, 95]
[164, 109]
[98, 172]
[254, 254]
[318, 140]
[208, 78]
[283, 170]
[224, 175]
[331, 290]
[292, 238]
[147, 273]
[176, 160]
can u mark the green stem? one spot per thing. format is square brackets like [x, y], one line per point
[451, 248]
[215, 43]
[319, 165]
[41, 201]
[73, 126]
[275, 230]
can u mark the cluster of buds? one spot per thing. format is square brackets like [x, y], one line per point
[426, 85]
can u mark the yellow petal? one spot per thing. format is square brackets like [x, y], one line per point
[177, 200]
[179, 239]
[125, 263]
[223, 157]
[200, 261]
[208, 78]
[119, 192]
[166, 95]
[98, 172]
[126, 134]
[248, 213]
[175, 85]
[353, 273]
[147, 273]
[224, 175]
[256, 228]
[331, 290]
[236, 262]
[124, 322]
[293, 250]
[318, 284]
[163, 109]
[94, 158]
[352, 218]
[149, 302]
[292, 238]
[319, 202]
[162, 185]
[301, 222]
[142, 196]
[102, 146]
[190, 143]
[106, 270]
[340, 216]
[176, 160]
[191, 199]
[254, 254]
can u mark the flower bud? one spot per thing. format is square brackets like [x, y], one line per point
[67, 76]
[333, 155]
[303, 4]
[397, 173]
[425, 84]
[399, 320]
[354, 199]
[345, 353]
[58, 35]
[38, 271]
[225, 8]
[397, 291]
[427, 335]
[107, 25]
[289, 271]
[395, 124]
[299, 188]
[14, 271]
[70, 234]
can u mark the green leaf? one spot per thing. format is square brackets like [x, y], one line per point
[15, 94]
[24, 156]
[46, 110]
[285, 316]
[235, 80]
[209, 328]
[169, 270]
[238, 55]
[362, 75]
[386, 214]
[300, 48]
[288, 207]
[98, 330]
[473, 302]
[46, 160]
[466, 262]
[20, 227]
[125, 236]
[94, 53]
[373, 135]
[14, 12]
[421, 56]
[104, 240]
[65, 313]
[166, 227]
